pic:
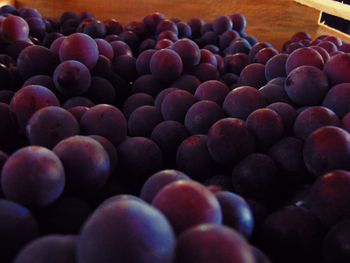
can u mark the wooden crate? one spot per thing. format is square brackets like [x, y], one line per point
[334, 8]
[270, 20]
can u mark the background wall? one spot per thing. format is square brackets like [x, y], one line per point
[269, 20]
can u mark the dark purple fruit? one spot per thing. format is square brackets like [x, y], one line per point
[113, 234]
[276, 67]
[190, 153]
[17, 228]
[329, 197]
[188, 51]
[33, 176]
[336, 69]
[229, 141]
[80, 47]
[289, 158]
[202, 115]
[209, 243]
[28, 100]
[50, 125]
[205, 72]
[176, 104]
[147, 84]
[303, 57]
[158, 181]
[203, 208]
[142, 121]
[236, 213]
[36, 60]
[166, 65]
[139, 158]
[287, 113]
[266, 126]
[110, 149]
[242, 101]
[212, 90]
[313, 118]
[327, 149]
[135, 101]
[253, 75]
[292, 234]
[336, 244]
[275, 93]
[306, 85]
[186, 82]
[236, 63]
[87, 179]
[256, 177]
[337, 99]
[168, 135]
[54, 248]
[104, 120]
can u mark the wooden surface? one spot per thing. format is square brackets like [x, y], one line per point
[7, 2]
[333, 8]
[329, 6]
[270, 20]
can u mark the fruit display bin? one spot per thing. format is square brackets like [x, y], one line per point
[201, 131]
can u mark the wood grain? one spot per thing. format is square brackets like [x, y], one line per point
[7, 2]
[270, 20]
[328, 6]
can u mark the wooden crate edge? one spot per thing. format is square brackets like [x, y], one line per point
[328, 6]
[338, 32]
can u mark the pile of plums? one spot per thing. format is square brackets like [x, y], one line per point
[166, 141]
